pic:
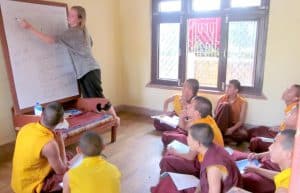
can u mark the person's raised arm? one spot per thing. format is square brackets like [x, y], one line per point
[258, 156]
[261, 171]
[214, 178]
[61, 146]
[51, 152]
[42, 36]
[184, 120]
[166, 103]
[66, 185]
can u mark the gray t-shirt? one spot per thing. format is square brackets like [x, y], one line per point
[80, 50]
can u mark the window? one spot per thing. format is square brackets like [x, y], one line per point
[213, 41]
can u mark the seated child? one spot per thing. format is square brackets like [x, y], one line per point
[189, 90]
[94, 174]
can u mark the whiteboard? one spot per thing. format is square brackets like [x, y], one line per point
[41, 72]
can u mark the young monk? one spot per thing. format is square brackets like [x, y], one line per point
[230, 114]
[189, 90]
[38, 152]
[218, 172]
[281, 152]
[199, 111]
[94, 174]
[291, 98]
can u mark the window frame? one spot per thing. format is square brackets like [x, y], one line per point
[227, 14]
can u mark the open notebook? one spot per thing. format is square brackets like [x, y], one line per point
[171, 121]
[182, 181]
[179, 147]
[266, 139]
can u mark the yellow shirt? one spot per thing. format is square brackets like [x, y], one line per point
[94, 174]
[282, 180]
[218, 138]
[177, 104]
[29, 167]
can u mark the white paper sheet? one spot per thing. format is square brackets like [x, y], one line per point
[184, 181]
[179, 147]
[266, 139]
[171, 121]
[76, 161]
[229, 150]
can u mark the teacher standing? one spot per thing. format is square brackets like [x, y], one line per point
[78, 42]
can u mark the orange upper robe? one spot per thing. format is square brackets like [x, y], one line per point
[236, 107]
[289, 109]
[177, 104]
[218, 138]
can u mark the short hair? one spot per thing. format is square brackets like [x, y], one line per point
[289, 138]
[297, 87]
[203, 106]
[52, 114]
[236, 83]
[194, 85]
[91, 144]
[202, 133]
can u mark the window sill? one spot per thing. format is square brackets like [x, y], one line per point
[165, 87]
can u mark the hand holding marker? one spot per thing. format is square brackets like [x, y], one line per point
[23, 23]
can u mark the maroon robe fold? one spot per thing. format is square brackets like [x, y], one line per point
[224, 120]
[179, 135]
[172, 163]
[261, 131]
[254, 182]
[51, 182]
[215, 155]
[257, 184]
[166, 185]
[256, 144]
[162, 126]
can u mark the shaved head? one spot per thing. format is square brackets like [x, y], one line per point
[91, 144]
[193, 85]
[202, 133]
[52, 114]
[202, 105]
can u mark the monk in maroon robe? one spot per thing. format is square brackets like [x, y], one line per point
[189, 90]
[218, 171]
[230, 114]
[291, 98]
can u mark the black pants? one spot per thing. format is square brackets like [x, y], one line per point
[90, 84]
